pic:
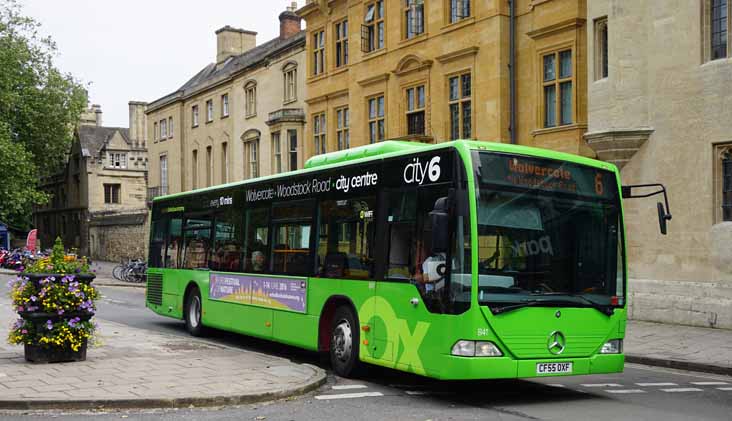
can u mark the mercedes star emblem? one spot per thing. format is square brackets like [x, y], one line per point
[556, 342]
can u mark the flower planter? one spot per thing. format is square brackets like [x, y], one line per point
[51, 354]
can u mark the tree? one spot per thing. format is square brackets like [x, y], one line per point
[39, 109]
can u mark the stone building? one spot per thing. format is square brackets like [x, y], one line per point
[439, 70]
[241, 116]
[660, 96]
[98, 202]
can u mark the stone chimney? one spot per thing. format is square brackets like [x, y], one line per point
[138, 123]
[233, 42]
[289, 22]
[92, 116]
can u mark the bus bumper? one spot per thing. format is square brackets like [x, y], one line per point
[474, 368]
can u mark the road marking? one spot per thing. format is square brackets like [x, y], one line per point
[624, 391]
[349, 395]
[682, 389]
[349, 386]
[656, 384]
[416, 392]
[709, 383]
[728, 389]
[556, 385]
[601, 385]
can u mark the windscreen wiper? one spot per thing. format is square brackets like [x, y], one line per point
[606, 310]
[510, 307]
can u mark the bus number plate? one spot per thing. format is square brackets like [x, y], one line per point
[553, 368]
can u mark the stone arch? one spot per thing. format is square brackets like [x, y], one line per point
[411, 63]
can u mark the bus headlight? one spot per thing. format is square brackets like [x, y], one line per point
[612, 347]
[464, 348]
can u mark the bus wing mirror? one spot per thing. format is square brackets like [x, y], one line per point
[664, 212]
[440, 226]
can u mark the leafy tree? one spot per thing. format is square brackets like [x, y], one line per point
[39, 108]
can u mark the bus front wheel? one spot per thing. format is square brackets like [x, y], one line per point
[344, 343]
[192, 312]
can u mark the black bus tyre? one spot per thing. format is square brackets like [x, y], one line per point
[344, 343]
[192, 312]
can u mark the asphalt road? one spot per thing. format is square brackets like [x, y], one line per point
[640, 393]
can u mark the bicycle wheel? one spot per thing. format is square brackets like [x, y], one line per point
[127, 274]
[117, 272]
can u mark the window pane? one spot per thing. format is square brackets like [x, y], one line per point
[345, 246]
[454, 88]
[467, 120]
[565, 62]
[410, 99]
[466, 83]
[454, 121]
[420, 97]
[381, 129]
[566, 92]
[549, 70]
[550, 101]
[372, 108]
[372, 132]
[381, 106]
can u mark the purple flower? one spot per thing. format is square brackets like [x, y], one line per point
[23, 331]
[60, 311]
[33, 298]
[49, 325]
[77, 270]
[73, 322]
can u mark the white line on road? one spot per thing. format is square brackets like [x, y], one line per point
[656, 384]
[416, 392]
[349, 386]
[349, 395]
[556, 385]
[709, 383]
[601, 385]
[625, 391]
[682, 389]
[727, 389]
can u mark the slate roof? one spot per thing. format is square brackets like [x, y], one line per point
[94, 138]
[213, 74]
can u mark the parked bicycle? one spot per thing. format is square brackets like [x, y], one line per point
[132, 270]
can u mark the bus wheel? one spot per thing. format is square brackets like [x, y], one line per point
[344, 343]
[192, 312]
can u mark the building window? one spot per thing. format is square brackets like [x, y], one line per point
[372, 31]
[209, 167]
[276, 153]
[209, 111]
[164, 174]
[251, 149]
[290, 88]
[250, 92]
[116, 160]
[727, 187]
[413, 18]
[224, 163]
[415, 111]
[194, 115]
[318, 52]
[718, 33]
[155, 131]
[459, 10]
[376, 119]
[557, 88]
[170, 127]
[319, 133]
[460, 106]
[163, 129]
[341, 43]
[343, 121]
[112, 193]
[224, 105]
[194, 170]
[292, 135]
[601, 47]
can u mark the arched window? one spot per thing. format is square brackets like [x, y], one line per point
[250, 92]
[289, 77]
[251, 152]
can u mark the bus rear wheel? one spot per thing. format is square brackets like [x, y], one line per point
[344, 343]
[192, 312]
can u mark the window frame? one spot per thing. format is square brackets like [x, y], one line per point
[277, 167]
[252, 155]
[292, 151]
[320, 133]
[318, 52]
[250, 99]
[289, 75]
[194, 116]
[373, 31]
[112, 193]
[407, 27]
[225, 105]
[453, 18]
[164, 128]
[460, 101]
[557, 82]
[209, 111]
[340, 30]
[376, 119]
[601, 48]
[343, 123]
[170, 127]
[414, 108]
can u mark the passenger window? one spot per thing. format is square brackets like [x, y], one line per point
[227, 252]
[346, 233]
[157, 242]
[401, 221]
[196, 242]
[256, 240]
[291, 224]
[175, 241]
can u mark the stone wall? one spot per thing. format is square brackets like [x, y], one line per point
[118, 237]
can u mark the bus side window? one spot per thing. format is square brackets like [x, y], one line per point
[292, 228]
[175, 240]
[226, 254]
[346, 238]
[256, 240]
[157, 242]
[196, 242]
[401, 223]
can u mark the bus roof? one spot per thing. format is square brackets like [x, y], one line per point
[392, 148]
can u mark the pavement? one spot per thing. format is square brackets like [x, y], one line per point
[137, 368]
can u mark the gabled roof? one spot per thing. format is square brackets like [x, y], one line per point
[93, 139]
[213, 74]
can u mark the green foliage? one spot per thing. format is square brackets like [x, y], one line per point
[39, 108]
[59, 262]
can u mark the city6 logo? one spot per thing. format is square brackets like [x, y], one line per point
[416, 172]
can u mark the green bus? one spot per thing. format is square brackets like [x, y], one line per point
[460, 260]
